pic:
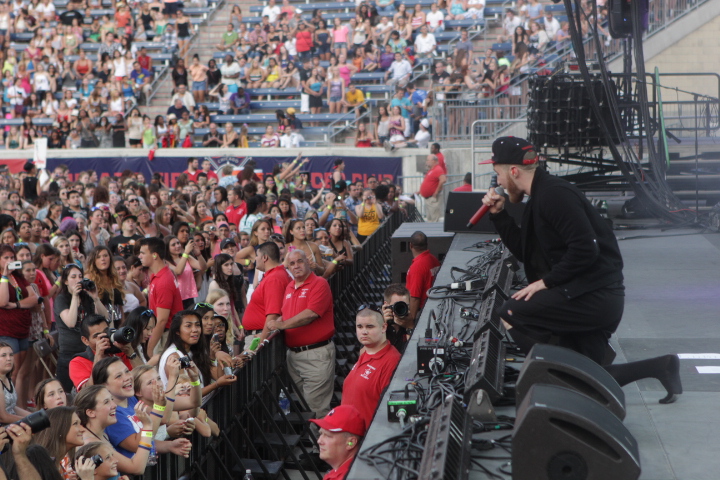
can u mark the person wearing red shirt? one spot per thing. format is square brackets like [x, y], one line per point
[467, 184]
[267, 298]
[435, 150]
[364, 385]
[207, 169]
[94, 336]
[309, 324]
[192, 170]
[145, 60]
[237, 208]
[303, 40]
[431, 188]
[421, 274]
[163, 293]
[341, 431]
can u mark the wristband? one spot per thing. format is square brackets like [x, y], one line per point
[329, 207]
[214, 363]
[247, 262]
[4, 277]
[145, 447]
[156, 414]
[115, 215]
[57, 282]
[196, 383]
[396, 199]
[146, 433]
[53, 235]
[169, 399]
[335, 262]
[185, 255]
[4, 280]
[362, 204]
[46, 331]
[159, 408]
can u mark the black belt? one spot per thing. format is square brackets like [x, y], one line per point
[253, 332]
[310, 347]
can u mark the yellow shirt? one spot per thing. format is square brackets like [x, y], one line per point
[369, 221]
[355, 98]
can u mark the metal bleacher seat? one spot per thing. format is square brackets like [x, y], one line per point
[270, 118]
[502, 47]
[38, 122]
[261, 130]
[467, 23]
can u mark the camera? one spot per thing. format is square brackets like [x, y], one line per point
[37, 421]
[122, 335]
[87, 284]
[400, 309]
[184, 362]
[97, 460]
[14, 265]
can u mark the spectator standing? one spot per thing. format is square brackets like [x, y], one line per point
[400, 327]
[369, 215]
[421, 274]
[164, 297]
[431, 188]
[341, 432]
[467, 184]
[237, 208]
[309, 325]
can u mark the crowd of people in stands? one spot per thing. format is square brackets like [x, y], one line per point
[198, 271]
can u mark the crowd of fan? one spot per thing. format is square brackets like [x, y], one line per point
[182, 268]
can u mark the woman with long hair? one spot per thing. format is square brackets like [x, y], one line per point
[100, 269]
[259, 234]
[62, 437]
[133, 294]
[185, 340]
[143, 321]
[183, 264]
[228, 277]
[296, 238]
[50, 394]
[16, 300]
[98, 411]
[164, 219]
[52, 219]
[77, 245]
[201, 212]
[340, 242]
[72, 305]
[145, 225]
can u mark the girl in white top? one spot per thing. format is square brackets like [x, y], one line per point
[119, 66]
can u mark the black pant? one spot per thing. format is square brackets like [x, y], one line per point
[63, 371]
[583, 323]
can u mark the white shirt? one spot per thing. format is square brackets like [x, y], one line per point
[271, 12]
[475, 5]
[510, 25]
[422, 138]
[400, 69]
[230, 69]
[188, 100]
[434, 19]
[425, 43]
[551, 27]
[291, 141]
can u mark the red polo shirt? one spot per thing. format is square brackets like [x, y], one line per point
[341, 472]
[463, 188]
[210, 174]
[163, 292]
[314, 294]
[441, 161]
[421, 274]
[365, 383]
[267, 298]
[192, 176]
[431, 181]
[81, 366]
[235, 214]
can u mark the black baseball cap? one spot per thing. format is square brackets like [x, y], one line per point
[227, 242]
[512, 151]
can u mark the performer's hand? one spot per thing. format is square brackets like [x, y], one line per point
[494, 201]
[530, 290]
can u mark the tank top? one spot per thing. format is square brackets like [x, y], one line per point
[416, 22]
[10, 397]
[360, 35]
[186, 283]
[345, 74]
[340, 34]
[183, 29]
[336, 88]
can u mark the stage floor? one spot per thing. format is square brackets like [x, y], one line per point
[672, 305]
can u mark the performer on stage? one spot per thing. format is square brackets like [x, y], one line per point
[572, 261]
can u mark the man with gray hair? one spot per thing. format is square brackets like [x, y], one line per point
[309, 325]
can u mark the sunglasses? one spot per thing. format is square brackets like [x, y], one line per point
[321, 229]
[147, 313]
[104, 209]
[371, 306]
[20, 244]
[133, 200]
[202, 305]
[277, 237]
[71, 265]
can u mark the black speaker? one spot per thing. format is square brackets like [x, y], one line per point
[561, 434]
[560, 366]
[620, 21]
[461, 206]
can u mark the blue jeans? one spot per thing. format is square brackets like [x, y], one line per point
[17, 344]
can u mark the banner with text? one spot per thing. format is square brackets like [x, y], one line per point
[320, 167]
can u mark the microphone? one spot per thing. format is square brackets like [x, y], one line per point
[483, 210]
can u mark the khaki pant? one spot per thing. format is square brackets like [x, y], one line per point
[433, 209]
[160, 347]
[313, 371]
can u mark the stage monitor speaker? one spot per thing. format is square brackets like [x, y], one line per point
[447, 454]
[554, 365]
[438, 243]
[461, 206]
[561, 434]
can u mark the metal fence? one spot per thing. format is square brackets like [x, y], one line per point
[255, 434]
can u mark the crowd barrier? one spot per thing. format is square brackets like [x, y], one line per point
[254, 432]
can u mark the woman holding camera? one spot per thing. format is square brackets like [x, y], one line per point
[72, 305]
[16, 300]
[105, 470]
[185, 342]
[142, 320]
[9, 411]
[101, 270]
[369, 215]
[98, 411]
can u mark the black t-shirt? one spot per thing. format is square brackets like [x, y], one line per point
[120, 245]
[30, 188]
[69, 338]
[67, 212]
[440, 77]
[215, 143]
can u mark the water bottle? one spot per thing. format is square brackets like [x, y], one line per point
[248, 475]
[278, 220]
[284, 402]
[153, 456]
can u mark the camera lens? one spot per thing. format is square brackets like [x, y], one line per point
[37, 421]
[401, 309]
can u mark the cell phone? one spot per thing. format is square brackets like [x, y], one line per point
[254, 344]
[14, 265]
[216, 338]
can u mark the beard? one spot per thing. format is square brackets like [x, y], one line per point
[514, 193]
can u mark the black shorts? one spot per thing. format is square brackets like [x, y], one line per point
[172, 8]
[135, 141]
